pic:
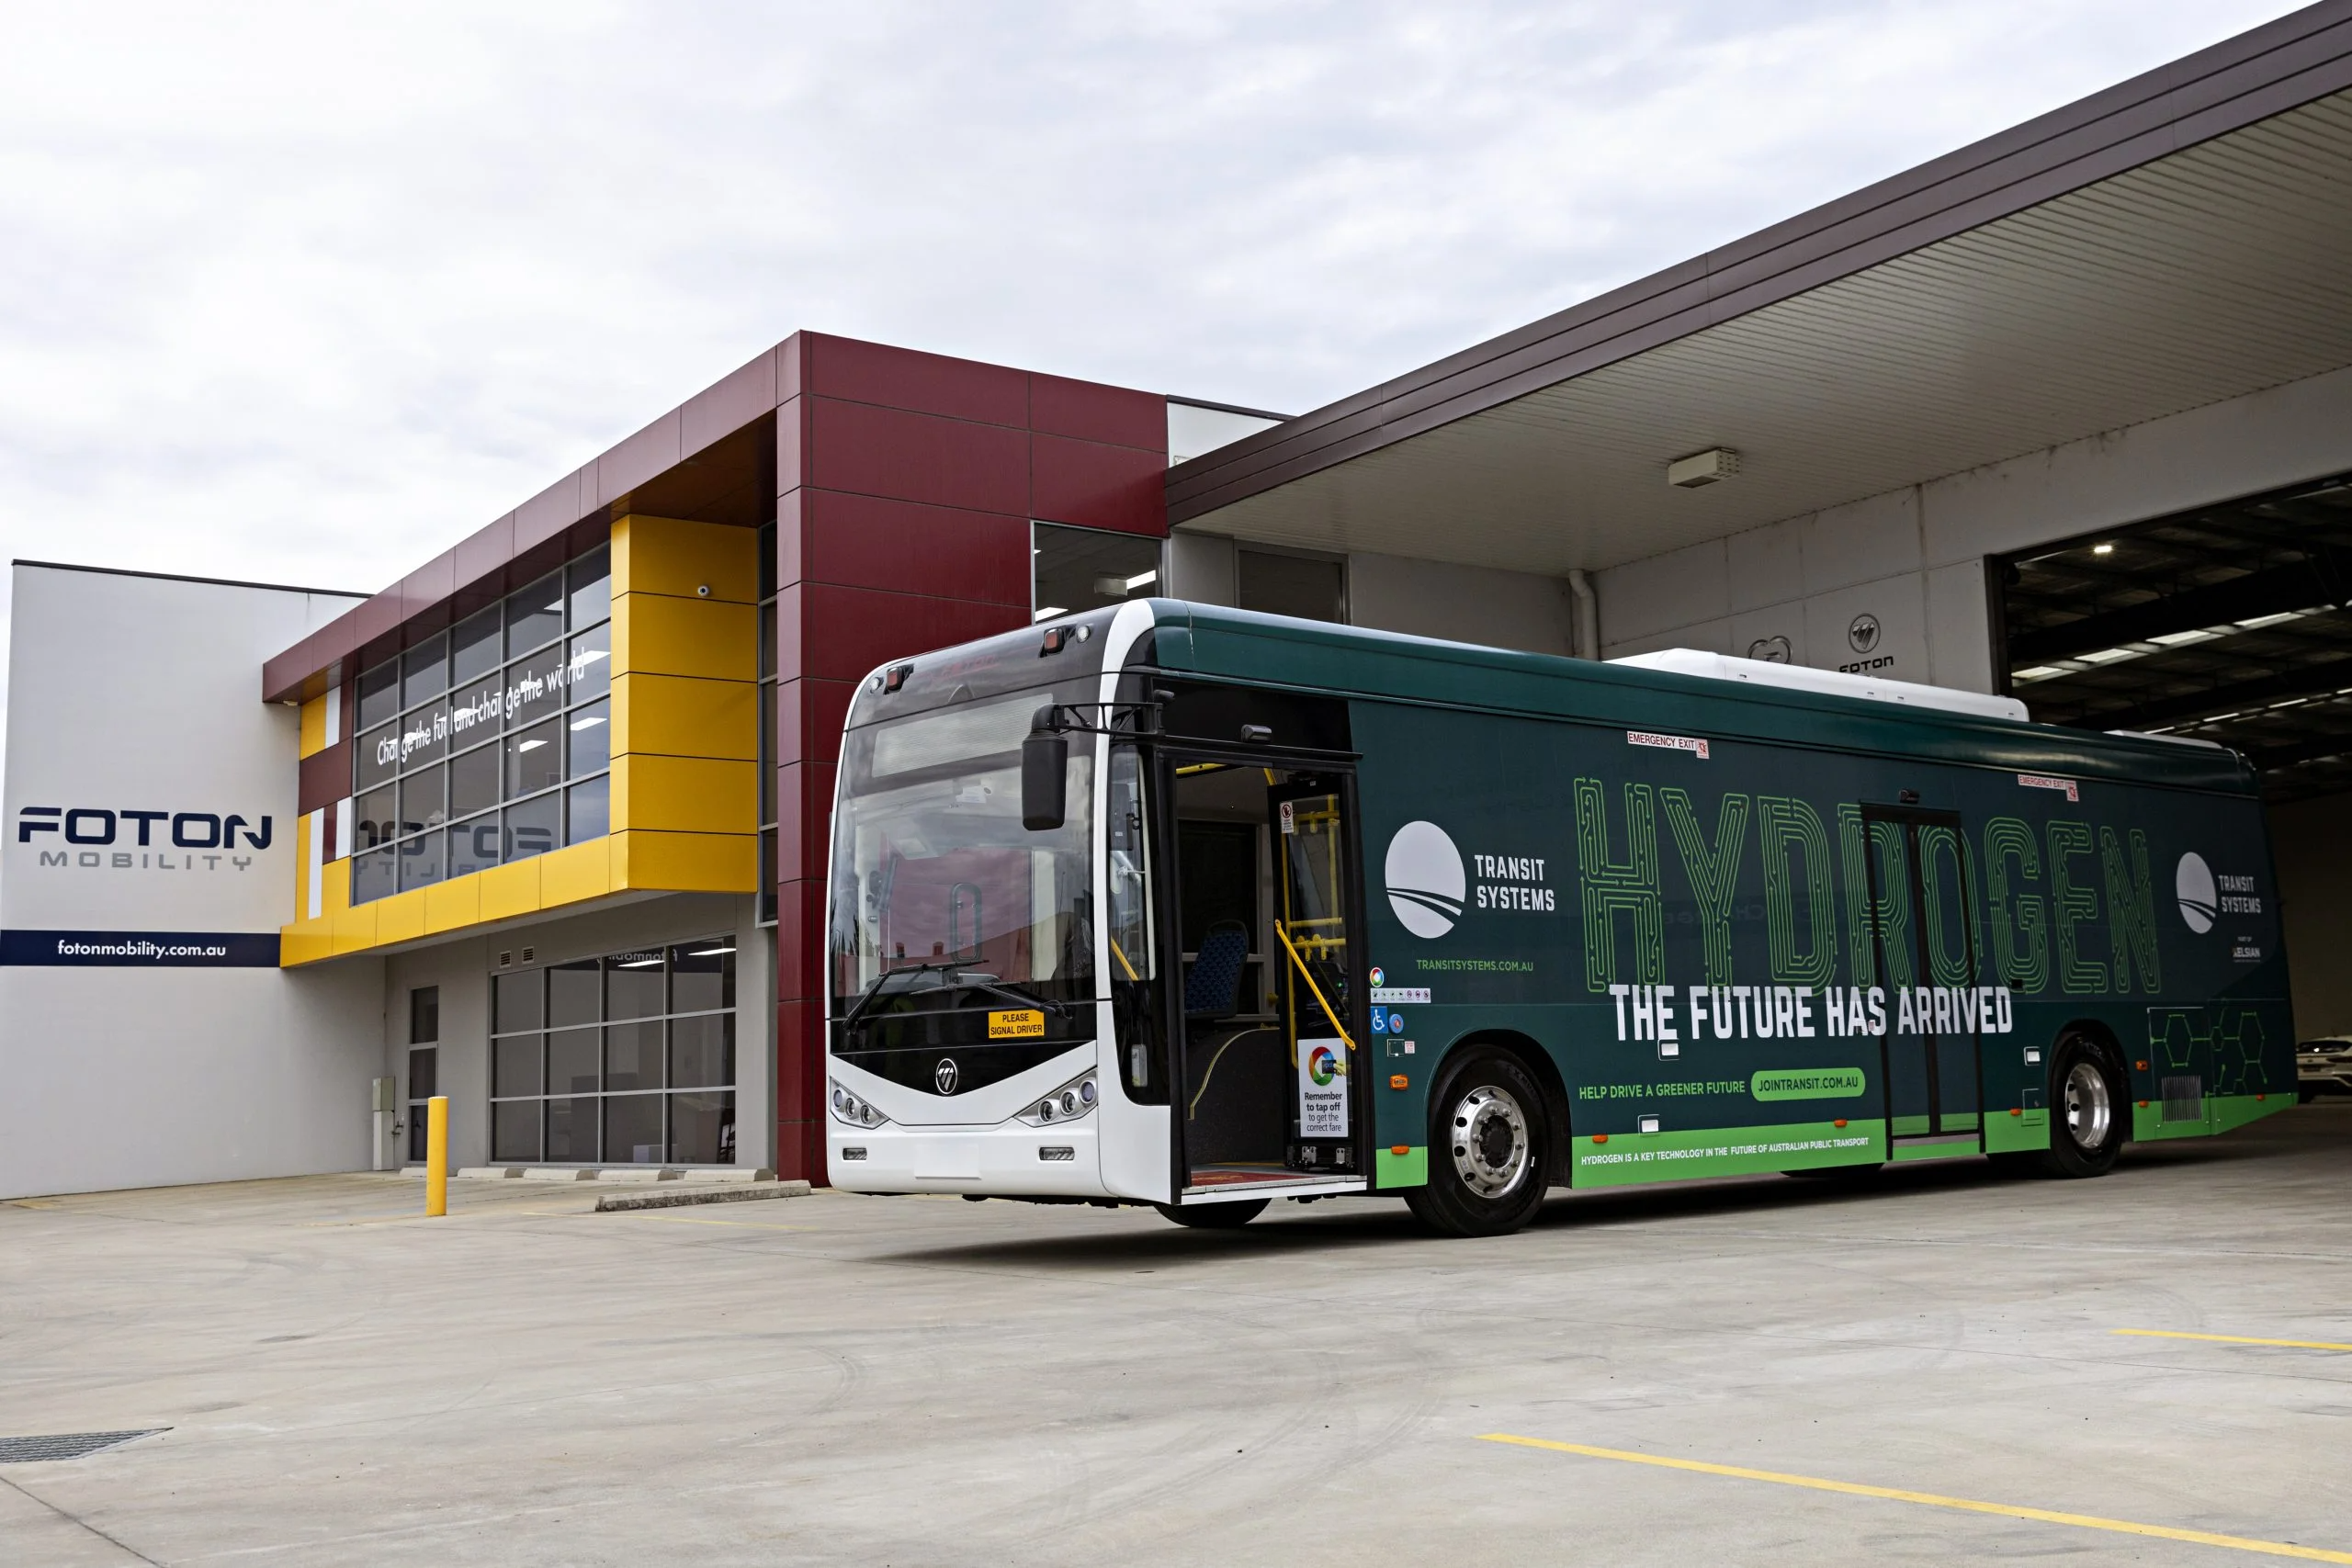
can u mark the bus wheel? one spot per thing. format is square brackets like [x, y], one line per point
[1214, 1216]
[2087, 1121]
[1488, 1148]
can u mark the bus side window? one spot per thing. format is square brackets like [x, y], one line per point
[1133, 942]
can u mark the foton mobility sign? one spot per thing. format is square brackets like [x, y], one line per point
[149, 797]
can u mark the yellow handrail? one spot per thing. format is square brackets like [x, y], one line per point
[1329, 1010]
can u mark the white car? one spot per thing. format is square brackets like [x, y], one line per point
[2323, 1067]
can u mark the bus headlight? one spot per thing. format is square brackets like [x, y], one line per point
[1068, 1103]
[847, 1108]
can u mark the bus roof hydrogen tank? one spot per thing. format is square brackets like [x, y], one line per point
[1182, 904]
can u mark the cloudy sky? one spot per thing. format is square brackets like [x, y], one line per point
[304, 293]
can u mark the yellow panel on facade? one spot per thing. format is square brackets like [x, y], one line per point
[305, 943]
[715, 638]
[452, 905]
[686, 795]
[569, 876]
[685, 862]
[510, 890]
[668, 555]
[336, 874]
[313, 728]
[355, 929]
[686, 717]
[399, 917]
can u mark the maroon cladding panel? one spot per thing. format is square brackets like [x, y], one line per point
[847, 632]
[487, 552]
[644, 456]
[916, 456]
[917, 382]
[1096, 486]
[728, 405]
[1092, 411]
[325, 777]
[858, 541]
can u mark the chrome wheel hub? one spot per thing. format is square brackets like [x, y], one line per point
[2090, 1109]
[1492, 1150]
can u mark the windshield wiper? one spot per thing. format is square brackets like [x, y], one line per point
[957, 978]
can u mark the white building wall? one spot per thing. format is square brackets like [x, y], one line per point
[133, 694]
[1913, 559]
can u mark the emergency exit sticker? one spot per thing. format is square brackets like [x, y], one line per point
[1697, 748]
[1322, 1089]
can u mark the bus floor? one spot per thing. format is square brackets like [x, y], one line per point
[1235, 1125]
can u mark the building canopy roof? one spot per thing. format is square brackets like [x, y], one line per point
[2177, 239]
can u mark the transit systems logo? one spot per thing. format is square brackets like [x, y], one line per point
[1322, 1065]
[1425, 879]
[2192, 883]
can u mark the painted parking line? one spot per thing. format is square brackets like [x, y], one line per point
[1934, 1500]
[2232, 1339]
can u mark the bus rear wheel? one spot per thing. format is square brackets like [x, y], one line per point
[1488, 1148]
[2087, 1119]
[1213, 1216]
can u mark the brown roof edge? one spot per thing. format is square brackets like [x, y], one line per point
[727, 405]
[2266, 71]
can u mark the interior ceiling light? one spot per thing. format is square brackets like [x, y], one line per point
[2155, 644]
[2102, 549]
[1703, 467]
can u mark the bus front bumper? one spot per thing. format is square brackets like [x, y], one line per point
[1011, 1159]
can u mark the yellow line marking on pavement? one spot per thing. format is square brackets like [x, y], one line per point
[2232, 1339]
[1932, 1500]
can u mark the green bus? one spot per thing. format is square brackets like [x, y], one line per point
[1182, 904]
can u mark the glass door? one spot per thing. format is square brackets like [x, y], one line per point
[1922, 921]
[1313, 927]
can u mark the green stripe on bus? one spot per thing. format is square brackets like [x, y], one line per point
[1627, 1158]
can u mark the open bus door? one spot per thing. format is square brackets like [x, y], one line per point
[1922, 901]
[1266, 1086]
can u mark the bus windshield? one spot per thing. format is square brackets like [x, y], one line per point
[941, 900]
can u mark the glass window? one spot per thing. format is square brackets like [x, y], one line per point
[375, 875]
[589, 738]
[379, 694]
[702, 975]
[633, 984]
[590, 577]
[514, 1131]
[473, 780]
[1085, 568]
[422, 860]
[519, 1001]
[534, 687]
[767, 640]
[575, 994]
[424, 800]
[474, 845]
[702, 1050]
[589, 673]
[589, 813]
[514, 1067]
[633, 1128]
[702, 1128]
[424, 735]
[474, 648]
[375, 758]
[532, 828]
[375, 819]
[571, 1131]
[535, 614]
[424, 1015]
[424, 669]
[534, 759]
[575, 1058]
[475, 711]
[637, 1063]
[633, 1055]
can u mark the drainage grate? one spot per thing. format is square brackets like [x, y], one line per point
[66, 1445]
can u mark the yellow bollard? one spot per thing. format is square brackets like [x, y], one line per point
[436, 1155]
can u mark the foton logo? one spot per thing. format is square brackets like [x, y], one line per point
[102, 836]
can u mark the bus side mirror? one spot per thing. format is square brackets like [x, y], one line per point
[1045, 771]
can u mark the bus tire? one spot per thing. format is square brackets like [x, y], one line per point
[1213, 1216]
[1489, 1147]
[2088, 1119]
